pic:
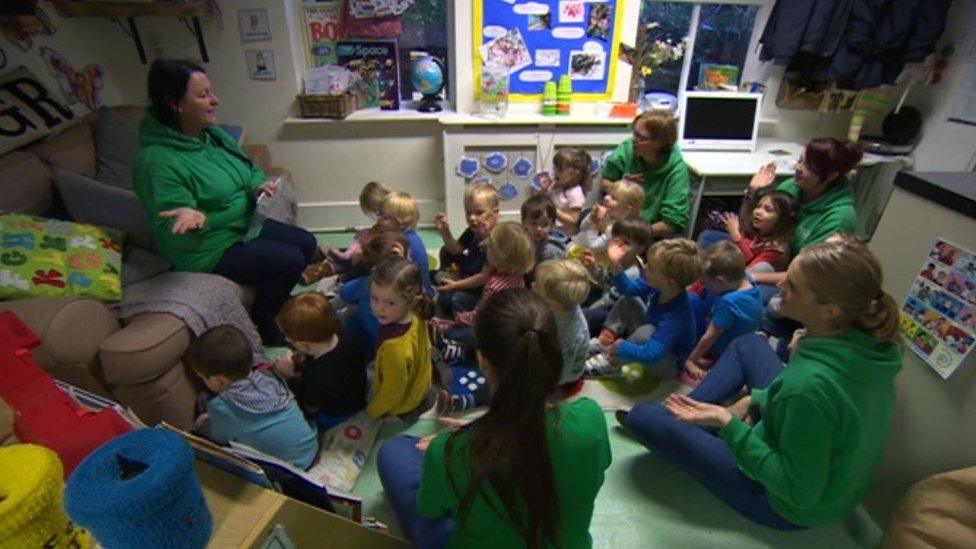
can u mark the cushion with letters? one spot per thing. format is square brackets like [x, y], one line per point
[30, 112]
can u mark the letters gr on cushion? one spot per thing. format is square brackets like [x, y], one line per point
[29, 110]
[116, 146]
[45, 257]
[95, 203]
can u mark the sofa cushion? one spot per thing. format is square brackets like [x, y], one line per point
[47, 257]
[25, 184]
[144, 349]
[72, 150]
[116, 146]
[96, 203]
[139, 264]
[30, 111]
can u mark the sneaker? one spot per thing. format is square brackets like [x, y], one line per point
[599, 366]
[595, 346]
[315, 272]
[452, 351]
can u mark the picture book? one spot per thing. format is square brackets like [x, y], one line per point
[321, 23]
[376, 63]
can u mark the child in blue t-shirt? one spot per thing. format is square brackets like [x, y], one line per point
[401, 208]
[463, 260]
[668, 334]
[729, 306]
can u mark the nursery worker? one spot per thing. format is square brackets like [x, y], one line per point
[199, 190]
[652, 159]
[461, 488]
[819, 425]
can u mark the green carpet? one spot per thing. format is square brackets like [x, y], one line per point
[644, 502]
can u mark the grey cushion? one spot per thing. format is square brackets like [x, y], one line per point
[138, 265]
[116, 146]
[90, 201]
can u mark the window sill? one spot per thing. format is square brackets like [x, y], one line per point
[451, 118]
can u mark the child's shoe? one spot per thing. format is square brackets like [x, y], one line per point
[452, 351]
[599, 366]
[450, 404]
[595, 346]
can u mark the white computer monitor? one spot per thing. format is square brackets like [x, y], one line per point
[719, 121]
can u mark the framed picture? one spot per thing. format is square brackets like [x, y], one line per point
[254, 25]
[260, 64]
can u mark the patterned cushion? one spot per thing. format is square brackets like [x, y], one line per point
[45, 257]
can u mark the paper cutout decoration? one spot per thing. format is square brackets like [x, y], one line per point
[595, 165]
[468, 167]
[21, 29]
[522, 168]
[495, 162]
[78, 86]
[507, 191]
[539, 178]
[509, 50]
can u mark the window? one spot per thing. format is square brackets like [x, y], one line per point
[424, 29]
[716, 34]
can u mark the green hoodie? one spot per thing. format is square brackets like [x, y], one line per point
[666, 188]
[210, 174]
[824, 423]
[833, 212]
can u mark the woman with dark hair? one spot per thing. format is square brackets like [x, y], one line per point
[524, 474]
[199, 190]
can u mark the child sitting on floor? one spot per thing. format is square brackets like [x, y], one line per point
[729, 307]
[460, 290]
[510, 256]
[624, 200]
[252, 406]
[402, 209]
[634, 235]
[403, 370]
[569, 187]
[328, 375]
[539, 217]
[667, 334]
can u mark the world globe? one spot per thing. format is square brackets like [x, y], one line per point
[427, 77]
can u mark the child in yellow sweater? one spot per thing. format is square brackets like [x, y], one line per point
[403, 370]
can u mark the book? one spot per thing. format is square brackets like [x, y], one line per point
[321, 23]
[377, 64]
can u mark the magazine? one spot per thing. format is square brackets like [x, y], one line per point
[376, 63]
[321, 22]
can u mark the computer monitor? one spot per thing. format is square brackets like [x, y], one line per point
[719, 121]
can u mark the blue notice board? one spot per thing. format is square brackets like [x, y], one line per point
[542, 39]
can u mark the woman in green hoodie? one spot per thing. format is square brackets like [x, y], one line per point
[652, 159]
[199, 190]
[802, 447]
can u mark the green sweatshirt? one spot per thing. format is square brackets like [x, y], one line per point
[210, 174]
[667, 190]
[832, 213]
[824, 423]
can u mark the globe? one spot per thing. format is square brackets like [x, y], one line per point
[427, 77]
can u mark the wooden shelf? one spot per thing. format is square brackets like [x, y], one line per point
[96, 8]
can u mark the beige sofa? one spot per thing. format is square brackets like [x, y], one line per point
[139, 364]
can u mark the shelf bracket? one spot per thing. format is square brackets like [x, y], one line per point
[133, 32]
[197, 33]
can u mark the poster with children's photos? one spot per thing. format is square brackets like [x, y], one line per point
[938, 317]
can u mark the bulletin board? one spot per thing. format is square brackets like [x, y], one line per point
[542, 39]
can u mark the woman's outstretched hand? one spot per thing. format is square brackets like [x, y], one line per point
[702, 414]
[187, 219]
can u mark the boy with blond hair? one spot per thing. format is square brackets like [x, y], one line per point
[668, 334]
[468, 252]
[565, 284]
[624, 200]
[401, 209]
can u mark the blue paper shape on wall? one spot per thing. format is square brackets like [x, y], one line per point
[595, 165]
[538, 178]
[507, 191]
[522, 167]
[495, 162]
[468, 167]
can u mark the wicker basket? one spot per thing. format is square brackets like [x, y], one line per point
[329, 106]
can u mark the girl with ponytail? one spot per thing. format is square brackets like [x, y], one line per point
[526, 473]
[819, 426]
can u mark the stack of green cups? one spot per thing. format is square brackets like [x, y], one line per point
[549, 99]
[564, 95]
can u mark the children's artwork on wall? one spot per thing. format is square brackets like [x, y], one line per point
[254, 25]
[522, 168]
[576, 37]
[78, 86]
[495, 162]
[260, 64]
[20, 30]
[938, 317]
[468, 167]
[507, 191]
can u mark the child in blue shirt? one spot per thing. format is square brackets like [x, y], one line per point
[669, 332]
[253, 407]
[462, 289]
[401, 208]
[729, 307]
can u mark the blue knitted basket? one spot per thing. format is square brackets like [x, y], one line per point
[140, 490]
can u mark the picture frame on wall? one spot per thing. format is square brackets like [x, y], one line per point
[254, 25]
[261, 65]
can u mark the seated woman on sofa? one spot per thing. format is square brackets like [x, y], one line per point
[199, 190]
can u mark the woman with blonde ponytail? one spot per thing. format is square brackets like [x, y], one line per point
[527, 472]
[818, 426]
